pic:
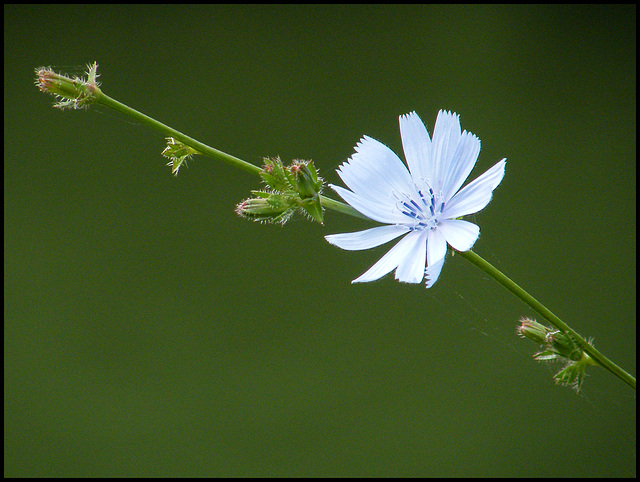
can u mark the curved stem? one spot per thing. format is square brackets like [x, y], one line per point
[505, 281]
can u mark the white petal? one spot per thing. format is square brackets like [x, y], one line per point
[389, 261]
[446, 135]
[374, 169]
[436, 247]
[464, 159]
[369, 238]
[416, 144]
[377, 209]
[374, 173]
[433, 272]
[475, 195]
[411, 268]
[460, 234]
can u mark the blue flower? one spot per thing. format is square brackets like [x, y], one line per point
[423, 203]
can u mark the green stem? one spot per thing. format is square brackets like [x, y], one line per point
[328, 203]
[102, 98]
[203, 149]
[505, 281]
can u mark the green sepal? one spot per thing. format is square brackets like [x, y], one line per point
[305, 179]
[314, 209]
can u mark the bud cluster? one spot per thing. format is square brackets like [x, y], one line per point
[296, 187]
[558, 346]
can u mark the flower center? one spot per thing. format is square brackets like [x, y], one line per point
[422, 212]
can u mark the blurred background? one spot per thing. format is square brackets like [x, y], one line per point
[149, 331]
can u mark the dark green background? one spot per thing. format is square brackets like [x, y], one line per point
[151, 332]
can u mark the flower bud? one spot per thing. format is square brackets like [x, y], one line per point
[305, 179]
[274, 175]
[72, 93]
[533, 330]
[267, 207]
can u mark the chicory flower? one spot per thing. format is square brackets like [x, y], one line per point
[424, 202]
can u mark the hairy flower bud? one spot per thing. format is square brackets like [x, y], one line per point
[305, 178]
[267, 207]
[71, 92]
[533, 330]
